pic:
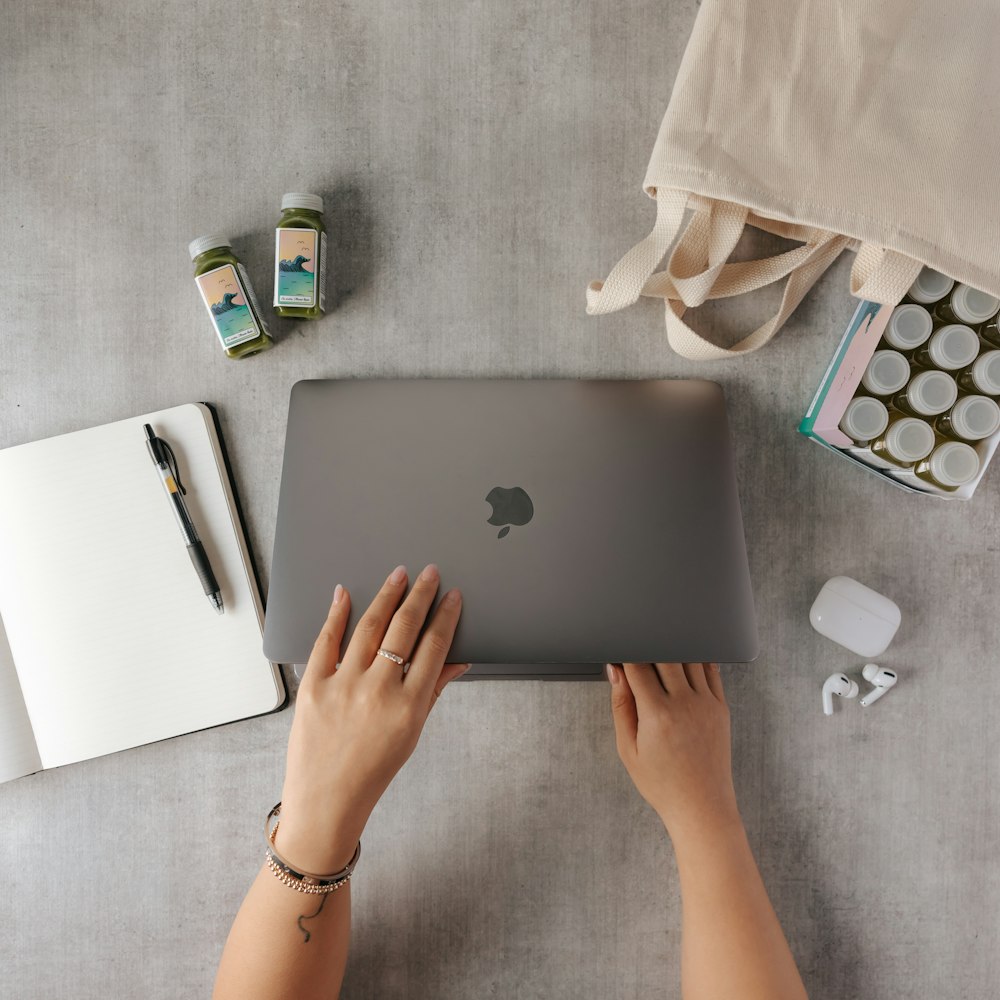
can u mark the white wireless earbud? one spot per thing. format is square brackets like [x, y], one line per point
[882, 679]
[840, 685]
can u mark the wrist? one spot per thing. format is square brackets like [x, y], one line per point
[711, 821]
[719, 852]
[322, 847]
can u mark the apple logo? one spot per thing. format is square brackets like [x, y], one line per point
[510, 506]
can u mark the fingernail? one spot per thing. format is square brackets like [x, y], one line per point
[714, 666]
[464, 671]
[612, 673]
[338, 594]
[398, 575]
[452, 598]
[430, 573]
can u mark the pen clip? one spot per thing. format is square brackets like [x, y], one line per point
[172, 465]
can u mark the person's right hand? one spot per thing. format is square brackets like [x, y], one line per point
[355, 725]
[672, 732]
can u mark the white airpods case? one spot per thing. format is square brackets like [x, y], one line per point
[857, 617]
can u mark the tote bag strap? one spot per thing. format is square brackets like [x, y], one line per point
[881, 275]
[625, 282]
[698, 267]
[698, 270]
[690, 344]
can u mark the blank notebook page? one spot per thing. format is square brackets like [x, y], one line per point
[114, 641]
[18, 750]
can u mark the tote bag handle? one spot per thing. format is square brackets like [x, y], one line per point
[699, 269]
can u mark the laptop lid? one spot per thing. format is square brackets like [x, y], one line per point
[584, 521]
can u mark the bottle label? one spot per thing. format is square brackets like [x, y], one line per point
[295, 268]
[226, 298]
[252, 296]
[322, 272]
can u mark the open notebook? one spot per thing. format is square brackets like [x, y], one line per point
[106, 638]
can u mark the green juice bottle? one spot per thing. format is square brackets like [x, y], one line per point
[949, 466]
[982, 377]
[228, 296]
[967, 305]
[864, 420]
[905, 441]
[931, 286]
[886, 374]
[909, 326]
[950, 347]
[990, 332]
[300, 258]
[927, 395]
[972, 418]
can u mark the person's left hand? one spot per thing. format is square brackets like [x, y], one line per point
[356, 725]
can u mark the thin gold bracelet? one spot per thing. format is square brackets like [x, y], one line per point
[295, 878]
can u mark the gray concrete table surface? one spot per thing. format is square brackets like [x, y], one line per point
[481, 162]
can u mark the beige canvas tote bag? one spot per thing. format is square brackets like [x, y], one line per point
[838, 124]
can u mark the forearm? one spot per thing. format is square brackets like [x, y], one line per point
[732, 947]
[285, 944]
[357, 720]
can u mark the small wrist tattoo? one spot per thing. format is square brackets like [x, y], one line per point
[302, 916]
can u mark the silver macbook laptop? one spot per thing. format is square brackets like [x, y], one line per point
[584, 522]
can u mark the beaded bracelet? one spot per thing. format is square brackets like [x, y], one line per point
[295, 878]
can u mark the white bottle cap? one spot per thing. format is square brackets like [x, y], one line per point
[986, 373]
[887, 372]
[296, 199]
[953, 346]
[931, 393]
[909, 439]
[954, 464]
[930, 286]
[197, 247]
[864, 419]
[973, 306]
[975, 417]
[909, 326]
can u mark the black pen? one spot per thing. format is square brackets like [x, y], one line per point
[163, 458]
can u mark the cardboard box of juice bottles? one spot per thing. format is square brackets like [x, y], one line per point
[842, 382]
